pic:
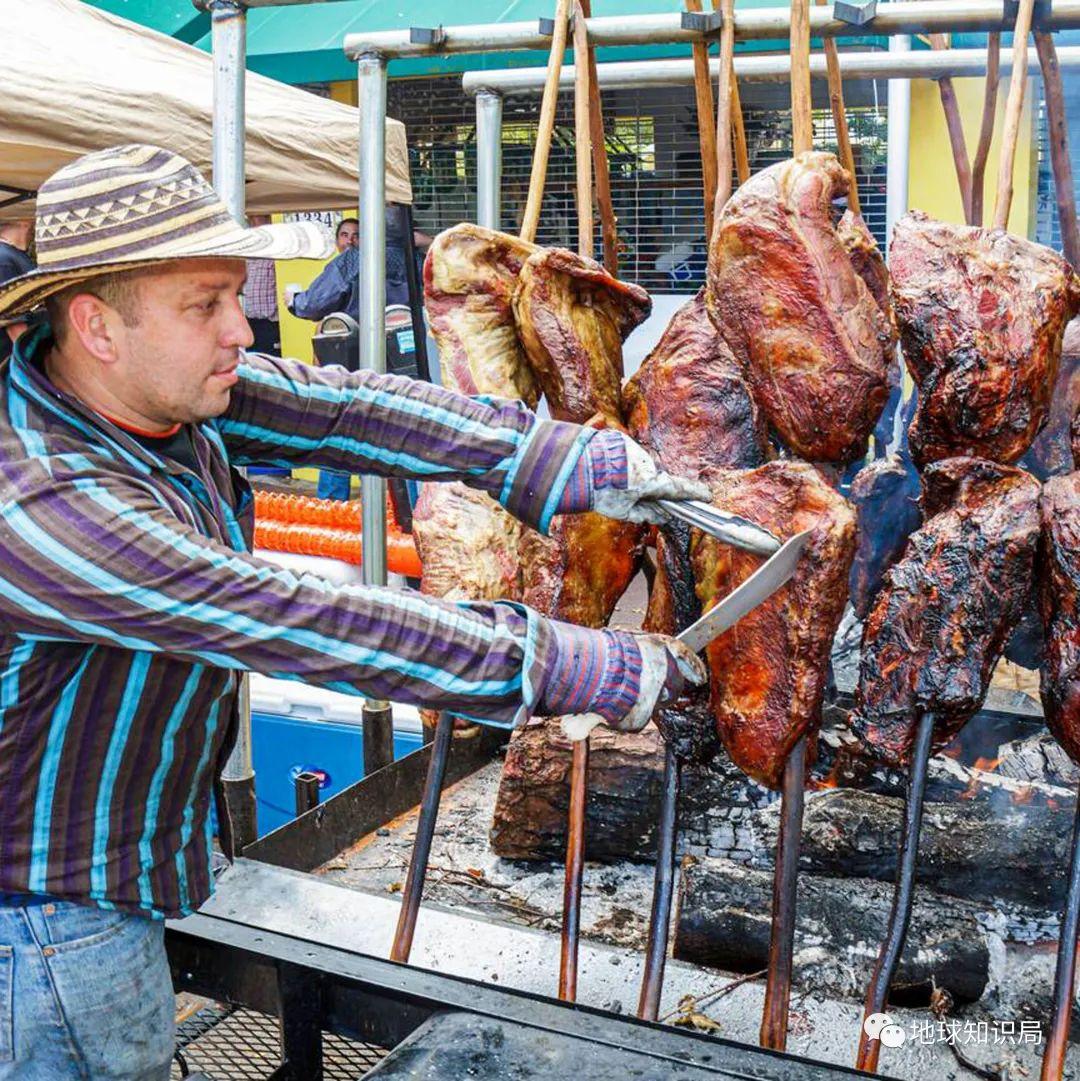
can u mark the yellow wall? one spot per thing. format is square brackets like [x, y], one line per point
[931, 177]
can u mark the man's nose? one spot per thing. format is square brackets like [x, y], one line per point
[238, 332]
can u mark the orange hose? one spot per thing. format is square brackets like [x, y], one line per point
[305, 509]
[344, 545]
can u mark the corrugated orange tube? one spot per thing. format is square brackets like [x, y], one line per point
[345, 545]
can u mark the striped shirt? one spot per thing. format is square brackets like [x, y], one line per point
[129, 601]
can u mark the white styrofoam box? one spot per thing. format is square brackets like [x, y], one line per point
[301, 701]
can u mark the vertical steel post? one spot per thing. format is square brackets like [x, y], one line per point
[898, 152]
[229, 38]
[371, 75]
[489, 106]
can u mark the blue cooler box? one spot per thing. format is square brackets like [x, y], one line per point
[296, 728]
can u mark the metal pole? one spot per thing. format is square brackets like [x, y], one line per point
[773, 68]
[488, 157]
[751, 24]
[377, 718]
[229, 39]
[898, 151]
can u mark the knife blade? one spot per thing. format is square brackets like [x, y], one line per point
[761, 585]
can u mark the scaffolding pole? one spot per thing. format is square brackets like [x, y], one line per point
[489, 156]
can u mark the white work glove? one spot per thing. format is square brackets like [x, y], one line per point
[645, 484]
[665, 667]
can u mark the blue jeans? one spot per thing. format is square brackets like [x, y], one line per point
[333, 485]
[84, 993]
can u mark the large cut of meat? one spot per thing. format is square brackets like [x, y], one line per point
[468, 545]
[981, 315]
[689, 405]
[886, 498]
[1059, 605]
[866, 258]
[469, 279]
[768, 672]
[572, 318]
[945, 612]
[788, 298]
[691, 408]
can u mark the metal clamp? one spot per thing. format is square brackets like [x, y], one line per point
[855, 14]
[547, 27]
[427, 35]
[702, 22]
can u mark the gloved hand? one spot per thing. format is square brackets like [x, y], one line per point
[618, 479]
[614, 677]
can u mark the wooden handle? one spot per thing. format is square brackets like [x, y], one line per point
[802, 123]
[742, 156]
[601, 171]
[582, 135]
[1013, 108]
[703, 97]
[538, 176]
[951, 108]
[724, 106]
[839, 115]
[1059, 145]
[986, 132]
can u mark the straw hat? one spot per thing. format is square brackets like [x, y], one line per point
[134, 206]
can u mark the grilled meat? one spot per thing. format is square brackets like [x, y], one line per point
[469, 279]
[1059, 606]
[572, 318]
[768, 672]
[981, 315]
[945, 612]
[797, 313]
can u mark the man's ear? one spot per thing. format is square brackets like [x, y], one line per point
[93, 322]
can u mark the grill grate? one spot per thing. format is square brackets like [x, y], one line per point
[242, 1045]
[652, 148]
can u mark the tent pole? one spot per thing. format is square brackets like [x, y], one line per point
[898, 151]
[229, 39]
[377, 718]
[488, 157]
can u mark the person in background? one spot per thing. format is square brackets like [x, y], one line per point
[347, 235]
[261, 300]
[15, 237]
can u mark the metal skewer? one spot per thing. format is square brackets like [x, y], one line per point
[425, 831]
[774, 1020]
[1053, 1064]
[900, 914]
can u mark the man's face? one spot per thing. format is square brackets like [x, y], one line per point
[348, 235]
[178, 363]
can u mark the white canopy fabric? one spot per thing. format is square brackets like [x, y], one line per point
[77, 79]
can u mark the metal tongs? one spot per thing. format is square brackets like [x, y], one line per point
[730, 528]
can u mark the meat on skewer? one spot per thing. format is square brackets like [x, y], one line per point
[768, 672]
[885, 494]
[941, 621]
[572, 318]
[981, 315]
[785, 292]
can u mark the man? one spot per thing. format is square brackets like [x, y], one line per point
[347, 235]
[261, 301]
[15, 237]
[130, 600]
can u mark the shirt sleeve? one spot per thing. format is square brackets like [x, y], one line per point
[329, 292]
[286, 413]
[106, 561]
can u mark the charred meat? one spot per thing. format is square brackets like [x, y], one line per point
[945, 612]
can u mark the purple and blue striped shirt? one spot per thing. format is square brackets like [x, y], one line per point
[129, 602]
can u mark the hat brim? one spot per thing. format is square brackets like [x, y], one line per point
[289, 240]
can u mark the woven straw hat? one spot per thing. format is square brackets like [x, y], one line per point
[134, 206]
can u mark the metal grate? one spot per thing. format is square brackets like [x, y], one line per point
[1047, 225]
[242, 1045]
[652, 146]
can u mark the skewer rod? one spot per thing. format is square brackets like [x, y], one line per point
[774, 1021]
[575, 866]
[582, 137]
[703, 99]
[760, 24]
[1059, 145]
[425, 831]
[1057, 1043]
[724, 108]
[1014, 106]
[951, 107]
[802, 123]
[839, 115]
[652, 982]
[986, 131]
[903, 895]
[601, 171]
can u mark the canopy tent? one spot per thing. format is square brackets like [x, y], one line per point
[78, 79]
